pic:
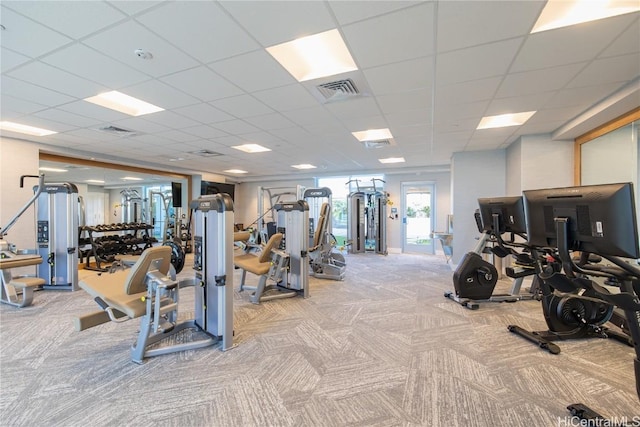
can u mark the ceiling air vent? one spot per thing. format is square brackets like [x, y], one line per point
[117, 131]
[338, 90]
[377, 144]
[205, 153]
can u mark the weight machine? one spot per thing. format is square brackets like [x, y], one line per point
[57, 235]
[150, 290]
[367, 214]
[325, 263]
[272, 196]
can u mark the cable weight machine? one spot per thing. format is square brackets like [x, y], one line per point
[366, 224]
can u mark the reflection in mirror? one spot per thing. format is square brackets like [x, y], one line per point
[113, 196]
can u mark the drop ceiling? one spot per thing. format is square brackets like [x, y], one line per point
[427, 70]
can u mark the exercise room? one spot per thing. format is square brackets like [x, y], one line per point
[319, 213]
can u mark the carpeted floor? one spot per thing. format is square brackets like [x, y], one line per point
[382, 348]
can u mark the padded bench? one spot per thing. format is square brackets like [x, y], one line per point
[258, 265]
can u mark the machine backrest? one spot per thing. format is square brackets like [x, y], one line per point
[323, 223]
[272, 243]
[135, 282]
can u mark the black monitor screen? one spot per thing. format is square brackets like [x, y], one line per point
[208, 187]
[176, 194]
[510, 211]
[601, 218]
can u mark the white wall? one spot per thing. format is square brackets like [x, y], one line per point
[474, 174]
[514, 169]
[18, 158]
[546, 163]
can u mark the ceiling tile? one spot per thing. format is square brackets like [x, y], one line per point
[476, 63]
[530, 102]
[210, 35]
[11, 59]
[121, 42]
[615, 69]
[178, 136]
[171, 119]
[400, 77]
[548, 79]
[87, 109]
[49, 77]
[160, 94]
[627, 42]
[132, 7]
[309, 116]
[241, 70]
[14, 107]
[67, 118]
[30, 92]
[204, 131]
[203, 113]
[351, 11]
[462, 93]
[242, 106]
[26, 37]
[287, 20]
[140, 125]
[84, 61]
[286, 98]
[75, 19]
[470, 23]
[410, 28]
[270, 121]
[358, 107]
[571, 44]
[235, 127]
[397, 102]
[586, 95]
[203, 84]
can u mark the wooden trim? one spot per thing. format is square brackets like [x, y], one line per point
[610, 126]
[99, 164]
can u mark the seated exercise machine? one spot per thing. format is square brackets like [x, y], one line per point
[325, 262]
[595, 219]
[283, 260]
[475, 279]
[18, 290]
[149, 290]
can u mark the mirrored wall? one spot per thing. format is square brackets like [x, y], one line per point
[116, 194]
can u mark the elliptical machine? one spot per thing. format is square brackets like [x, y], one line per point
[475, 279]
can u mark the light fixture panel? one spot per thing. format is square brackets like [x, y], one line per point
[25, 129]
[316, 56]
[123, 103]
[251, 148]
[505, 120]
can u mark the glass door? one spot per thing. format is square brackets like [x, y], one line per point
[418, 217]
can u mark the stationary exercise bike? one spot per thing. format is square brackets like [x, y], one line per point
[570, 312]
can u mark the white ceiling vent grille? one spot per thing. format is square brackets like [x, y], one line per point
[377, 144]
[205, 153]
[338, 90]
[117, 131]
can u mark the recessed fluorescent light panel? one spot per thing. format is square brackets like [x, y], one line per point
[124, 103]
[392, 160]
[42, 168]
[131, 178]
[28, 130]
[251, 148]
[373, 134]
[95, 181]
[312, 57]
[239, 171]
[505, 120]
[303, 166]
[562, 13]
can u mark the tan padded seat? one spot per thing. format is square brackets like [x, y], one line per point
[123, 290]
[260, 264]
[241, 236]
[26, 282]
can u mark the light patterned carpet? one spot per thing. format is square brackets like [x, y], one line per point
[382, 348]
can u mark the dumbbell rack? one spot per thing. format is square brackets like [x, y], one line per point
[105, 247]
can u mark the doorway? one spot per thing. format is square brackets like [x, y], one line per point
[418, 212]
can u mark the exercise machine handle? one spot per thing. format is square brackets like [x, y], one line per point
[12, 221]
